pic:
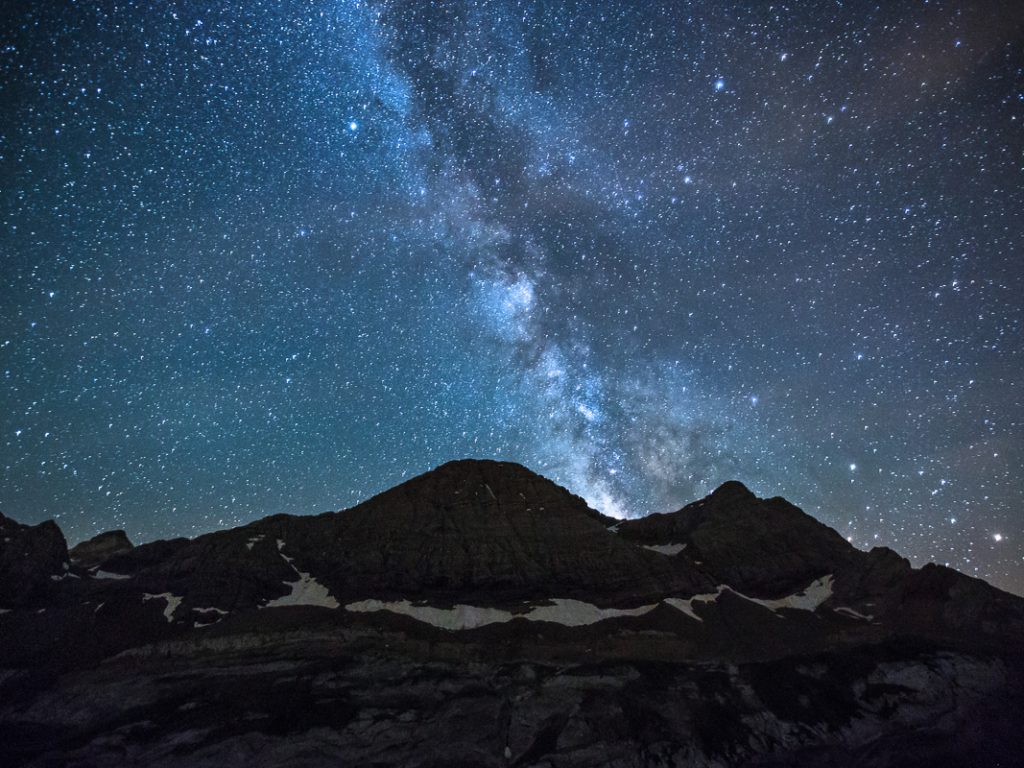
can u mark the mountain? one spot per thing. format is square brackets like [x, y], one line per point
[481, 615]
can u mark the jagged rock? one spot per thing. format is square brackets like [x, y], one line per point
[100, 548]
[31, 558]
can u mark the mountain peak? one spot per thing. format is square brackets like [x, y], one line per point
[764, 546]
[732, 489]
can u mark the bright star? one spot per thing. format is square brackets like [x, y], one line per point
[719, 84]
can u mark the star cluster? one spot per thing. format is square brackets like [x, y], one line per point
[275, 257]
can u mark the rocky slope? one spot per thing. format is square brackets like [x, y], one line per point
[481, 615]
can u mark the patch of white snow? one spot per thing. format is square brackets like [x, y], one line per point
[809, 599]
[666, 549]
[305, 591]
[570, 613]
[575, 613]
[173, 602]
[98, 574]
[853, 614]
[686, 606]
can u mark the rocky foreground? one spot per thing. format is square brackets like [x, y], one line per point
[480, 615]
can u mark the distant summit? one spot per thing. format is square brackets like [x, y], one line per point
[327, 627]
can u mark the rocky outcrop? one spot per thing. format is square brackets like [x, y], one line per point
[100, 548]
[31, 558]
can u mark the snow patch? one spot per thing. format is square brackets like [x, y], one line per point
[253, 540]
[5, 610]
[853, 614]
[575, 613]
[221, 611]
[108, 575]
[490, 491]
[686, 606]
[305, 591]
[666, 549]
[809, 599]
[173, 602]
[569, 613]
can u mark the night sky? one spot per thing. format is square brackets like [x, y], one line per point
[262, 257]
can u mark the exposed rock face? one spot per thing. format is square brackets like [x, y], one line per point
[99, 549]
[30, 558]
[481, 615]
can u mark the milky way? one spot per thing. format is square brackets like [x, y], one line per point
[276, 257]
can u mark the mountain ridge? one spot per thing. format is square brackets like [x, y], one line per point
[473, 571]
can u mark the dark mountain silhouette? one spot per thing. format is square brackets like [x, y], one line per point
[99, 549]
[481, 615]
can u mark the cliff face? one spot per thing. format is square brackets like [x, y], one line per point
[481, 615]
